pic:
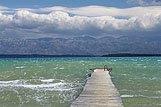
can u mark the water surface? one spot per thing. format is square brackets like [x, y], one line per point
[56, 82]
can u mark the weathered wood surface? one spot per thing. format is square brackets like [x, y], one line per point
[99, 91]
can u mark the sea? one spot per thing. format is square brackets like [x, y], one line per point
[57, 81]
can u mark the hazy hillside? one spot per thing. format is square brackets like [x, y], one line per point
[82, 45]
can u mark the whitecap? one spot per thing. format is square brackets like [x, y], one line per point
[47, 80]
[10, 82]
[124, 74]
[56, 68]
[130, 96]
[46, 85]
[52, 86]
[20, 67]
[144, 66]
[61, 68]
[127, 96]
[159, 60]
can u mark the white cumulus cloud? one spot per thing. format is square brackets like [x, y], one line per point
[83, 20]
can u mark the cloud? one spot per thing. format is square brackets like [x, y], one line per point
[3, 8]
[93, 20]
[145, 2]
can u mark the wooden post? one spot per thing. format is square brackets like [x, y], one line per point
[105, 68]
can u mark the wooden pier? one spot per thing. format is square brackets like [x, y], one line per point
[99, 91]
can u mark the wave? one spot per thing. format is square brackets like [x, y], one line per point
[20, 67]
[47, 80]
[47, 84]
[127, 96]
[132, 96]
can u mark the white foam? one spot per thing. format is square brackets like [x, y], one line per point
[124, 74]
[56, 68]
[61, 68]
[153, 97]
[51, 86]
[10, 82]
[130, 96]
[46, 85]
[127, 96]
[47, 80]
[20, 67]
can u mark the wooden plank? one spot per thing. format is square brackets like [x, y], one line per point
[99, 91]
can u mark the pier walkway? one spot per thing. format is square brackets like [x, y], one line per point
[99, 91]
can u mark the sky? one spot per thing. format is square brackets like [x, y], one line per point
[66, 3]
[76, 3]
[28, 18]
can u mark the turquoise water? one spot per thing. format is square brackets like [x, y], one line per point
[56, 82]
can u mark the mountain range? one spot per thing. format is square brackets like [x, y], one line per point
[83, 45]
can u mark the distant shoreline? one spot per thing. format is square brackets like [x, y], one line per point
[131, 55]
[48, 56]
